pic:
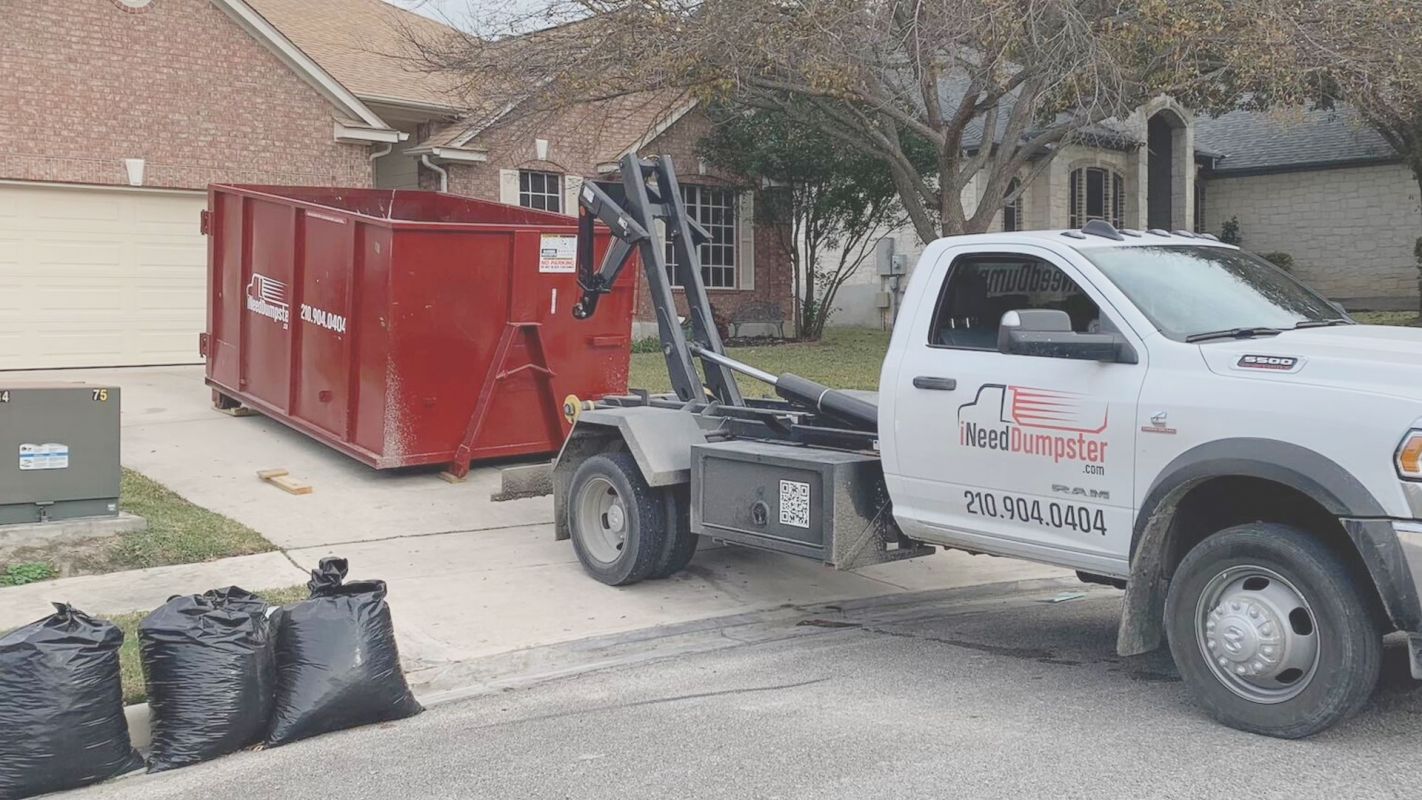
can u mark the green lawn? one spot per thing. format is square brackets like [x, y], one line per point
[1387, 318]
[849, 358]
[178, 532]
[846, 358]
[132, 669]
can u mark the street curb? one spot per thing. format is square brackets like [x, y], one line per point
[517, 669]
[487, 675]
[140, 726]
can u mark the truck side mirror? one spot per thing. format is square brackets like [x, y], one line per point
[1047, 333]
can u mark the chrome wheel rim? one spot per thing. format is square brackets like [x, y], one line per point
[601, 518]
[1258, 634]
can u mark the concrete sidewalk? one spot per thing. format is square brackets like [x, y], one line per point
[468, 577]
[144, 589]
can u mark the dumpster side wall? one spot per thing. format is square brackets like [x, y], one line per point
[404, 343]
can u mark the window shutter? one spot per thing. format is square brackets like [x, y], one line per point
[745, 240]
[508, 186]
[572, 184]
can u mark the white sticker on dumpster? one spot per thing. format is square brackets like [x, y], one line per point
[558, 253]
[44, 456]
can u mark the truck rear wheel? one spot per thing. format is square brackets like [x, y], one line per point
[618, 523]
[1272, 631]
[680, 543]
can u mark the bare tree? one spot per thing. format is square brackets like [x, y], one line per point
[1363, 53]
[995, 87]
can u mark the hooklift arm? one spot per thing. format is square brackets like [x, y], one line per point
[634, 229]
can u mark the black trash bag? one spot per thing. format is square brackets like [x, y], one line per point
[210, 664]
[61, 705]
[337, 663]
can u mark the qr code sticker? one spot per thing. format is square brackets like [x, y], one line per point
[795, 504]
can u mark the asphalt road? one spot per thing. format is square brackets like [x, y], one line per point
[1007, 696]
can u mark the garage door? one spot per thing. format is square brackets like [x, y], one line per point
[100, 277]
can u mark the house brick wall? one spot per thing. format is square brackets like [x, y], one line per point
[1351, 231]
[579, 143]
[87, 84]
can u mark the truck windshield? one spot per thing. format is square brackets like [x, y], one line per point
[1190, 292]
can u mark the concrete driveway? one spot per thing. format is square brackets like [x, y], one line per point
[468, 577]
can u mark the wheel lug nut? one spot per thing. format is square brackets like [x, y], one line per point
[1268, 651]
[1254, 612]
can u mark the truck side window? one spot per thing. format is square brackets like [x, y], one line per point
[980, 289]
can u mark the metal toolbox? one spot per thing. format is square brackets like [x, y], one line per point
[830, 505]
[59, 451]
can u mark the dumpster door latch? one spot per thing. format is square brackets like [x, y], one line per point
[205, 222]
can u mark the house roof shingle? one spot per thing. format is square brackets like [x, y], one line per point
[363, 43]
[1292, 139]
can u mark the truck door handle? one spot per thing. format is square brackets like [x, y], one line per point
[936, 384]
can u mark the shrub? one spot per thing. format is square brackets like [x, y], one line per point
[1283, 261]
[1229, 231]
[21, 574]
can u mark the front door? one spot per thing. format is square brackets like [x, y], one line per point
[1034, 454]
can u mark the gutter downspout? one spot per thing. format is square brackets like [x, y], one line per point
[441, 171]
[378, 152]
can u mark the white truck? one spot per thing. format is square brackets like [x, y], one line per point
[1158, 411]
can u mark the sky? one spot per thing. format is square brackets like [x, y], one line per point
[457, 12]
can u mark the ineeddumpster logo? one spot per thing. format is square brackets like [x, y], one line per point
[266, 297]
[1042, 423]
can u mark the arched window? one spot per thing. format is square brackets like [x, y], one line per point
[1012, 211]
[1097, 193]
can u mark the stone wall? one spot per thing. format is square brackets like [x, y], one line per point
[1350, 231]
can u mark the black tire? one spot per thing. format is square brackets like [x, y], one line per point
[1339, 610]
[645, 520]
[680, 543]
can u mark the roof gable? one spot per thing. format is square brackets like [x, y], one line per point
[365, 45]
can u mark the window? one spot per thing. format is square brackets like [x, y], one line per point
[1194, 289]
[1012, 212]
[1097, 193]
[715, 209]
[980, 289]
[540, 190]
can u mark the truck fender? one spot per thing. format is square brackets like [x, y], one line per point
[1299, 468]
[659, 440]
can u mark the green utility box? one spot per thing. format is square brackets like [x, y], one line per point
[59, 452]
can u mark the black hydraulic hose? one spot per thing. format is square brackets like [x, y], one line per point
[830, 402]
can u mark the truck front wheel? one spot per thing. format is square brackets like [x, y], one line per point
[1272, 632]
[617, 522]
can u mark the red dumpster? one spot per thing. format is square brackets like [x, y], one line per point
[404, 327]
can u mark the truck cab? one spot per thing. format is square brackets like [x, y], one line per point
[1170, 414]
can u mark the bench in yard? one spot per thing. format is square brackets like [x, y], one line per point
[758, 313]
